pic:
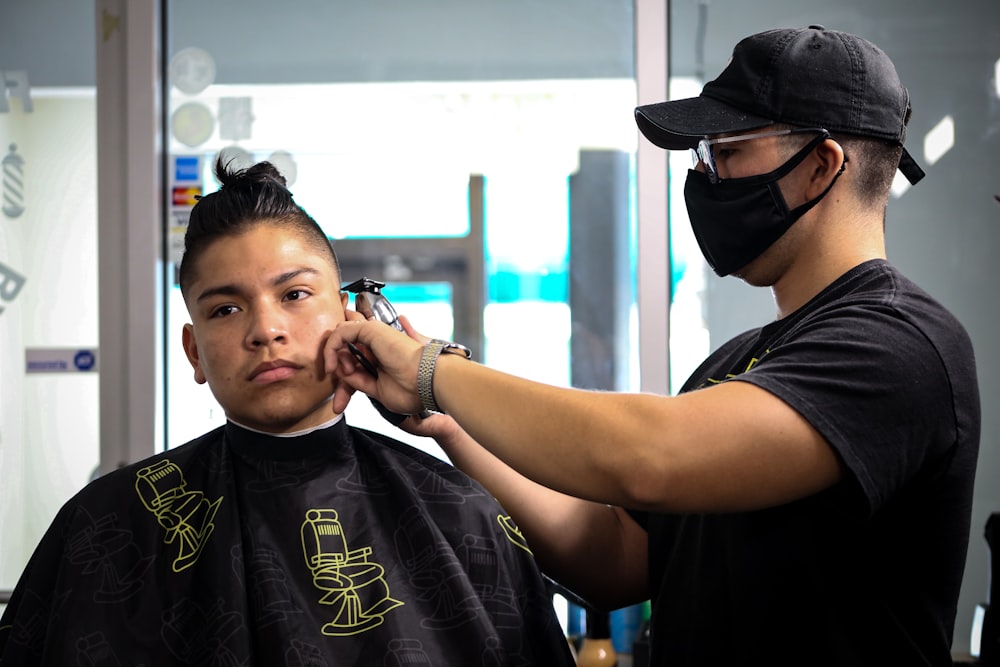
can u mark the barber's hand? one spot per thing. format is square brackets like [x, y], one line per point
[435, 425]
[354, 316]
[395, 354]
[350, 315]
[404, 321]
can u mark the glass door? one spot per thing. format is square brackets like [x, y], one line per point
[49, 361]
[477, 158]
[479, 161]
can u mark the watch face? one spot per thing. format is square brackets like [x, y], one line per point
[192, 70]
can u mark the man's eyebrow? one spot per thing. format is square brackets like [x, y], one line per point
[294, 273]
[235, 290]
[221, 290]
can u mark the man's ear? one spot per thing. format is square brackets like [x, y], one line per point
[826, 162]
[191, 350]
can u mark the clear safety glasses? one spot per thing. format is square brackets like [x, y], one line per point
[704, 152]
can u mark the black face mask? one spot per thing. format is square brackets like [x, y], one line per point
[737, 219]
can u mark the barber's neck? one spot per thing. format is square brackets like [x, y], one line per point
[827, 248]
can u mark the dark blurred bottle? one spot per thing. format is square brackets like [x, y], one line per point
[986, 624]
[640, 648]
[597, 650]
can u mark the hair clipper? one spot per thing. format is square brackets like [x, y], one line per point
[370, 302]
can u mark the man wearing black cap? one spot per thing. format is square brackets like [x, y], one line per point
[806, 498]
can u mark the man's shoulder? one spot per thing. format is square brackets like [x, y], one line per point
[882, 298]
[891, 285]
[126, 474]
[913, 307]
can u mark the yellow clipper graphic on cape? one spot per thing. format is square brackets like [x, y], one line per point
[186, 515]
[354, 586]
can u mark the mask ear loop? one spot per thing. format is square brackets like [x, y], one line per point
[792, 162]
[802, 209]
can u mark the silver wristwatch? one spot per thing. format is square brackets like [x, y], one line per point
[425, 371]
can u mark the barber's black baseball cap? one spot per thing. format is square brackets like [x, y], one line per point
[808, 77]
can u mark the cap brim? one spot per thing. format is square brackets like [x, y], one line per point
[679, 124]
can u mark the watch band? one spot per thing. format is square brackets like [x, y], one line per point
[425, 371]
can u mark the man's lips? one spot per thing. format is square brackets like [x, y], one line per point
[273, 371]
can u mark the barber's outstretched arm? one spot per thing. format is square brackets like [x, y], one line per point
[730, 447]
[596, 550]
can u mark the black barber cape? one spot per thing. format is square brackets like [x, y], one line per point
[336, 547]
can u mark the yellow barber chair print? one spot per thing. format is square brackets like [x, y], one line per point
[186, 515]
[354, 586]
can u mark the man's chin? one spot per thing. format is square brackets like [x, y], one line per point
[279, 419]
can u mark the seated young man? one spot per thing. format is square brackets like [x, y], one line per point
[285, 537]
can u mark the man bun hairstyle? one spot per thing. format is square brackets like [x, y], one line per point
[246, 198]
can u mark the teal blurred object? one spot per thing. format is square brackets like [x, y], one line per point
[506, 286]
[625, 624]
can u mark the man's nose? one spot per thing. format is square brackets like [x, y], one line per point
[267, 326]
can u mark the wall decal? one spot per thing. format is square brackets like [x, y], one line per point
[13, 183]
[15, 84]
[11, 283]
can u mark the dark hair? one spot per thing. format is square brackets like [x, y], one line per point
[246, 198]
[876, 162]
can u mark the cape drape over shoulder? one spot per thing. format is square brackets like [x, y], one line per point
[339, 547]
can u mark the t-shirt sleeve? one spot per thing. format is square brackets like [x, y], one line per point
[874, 386]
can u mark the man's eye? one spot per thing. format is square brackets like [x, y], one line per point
[223, 311]
[723, 153]
[296, 295]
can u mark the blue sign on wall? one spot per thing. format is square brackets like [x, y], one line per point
[60, 360]
[187, 168]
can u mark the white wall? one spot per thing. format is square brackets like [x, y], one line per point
[48, 422]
